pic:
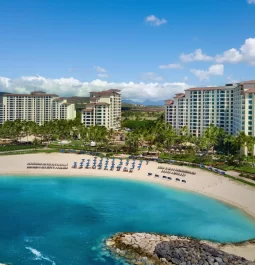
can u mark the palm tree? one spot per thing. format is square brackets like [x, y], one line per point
[250, 145]
[228, 139]
[240, 141]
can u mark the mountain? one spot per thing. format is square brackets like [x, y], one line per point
[146, 102]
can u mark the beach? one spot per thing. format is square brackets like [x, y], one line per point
[203, 182]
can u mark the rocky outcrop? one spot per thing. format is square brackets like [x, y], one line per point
[154, 249]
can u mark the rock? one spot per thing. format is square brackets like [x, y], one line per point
[110, 243]
[176, 261]
[149, 249]
[219, 260]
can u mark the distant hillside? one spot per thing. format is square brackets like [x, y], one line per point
[146, 102]
[78, 100]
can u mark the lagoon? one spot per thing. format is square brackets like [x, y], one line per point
[64, 220]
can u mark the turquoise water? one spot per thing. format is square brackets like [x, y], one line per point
[64, 220]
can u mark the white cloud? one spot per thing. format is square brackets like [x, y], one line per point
[230, 56]
[170, 66]
[155, 21]
[100, 69]
[251, 1]
[213, 70]
[197, 55]
[230, 79]
[245, 54]
[101, 72]
[74, 87]
[152, 77]
[103, 75]
[186, 78]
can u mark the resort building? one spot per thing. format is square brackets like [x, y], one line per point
[37, 106]
[1, 113]
[230, 107]
[104, 109]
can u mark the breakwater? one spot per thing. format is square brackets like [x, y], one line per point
[154, 249]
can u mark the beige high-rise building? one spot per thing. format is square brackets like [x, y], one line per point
[230, 107]
[104, 109]
[37, 106]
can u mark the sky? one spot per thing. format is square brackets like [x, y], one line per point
[150, 49]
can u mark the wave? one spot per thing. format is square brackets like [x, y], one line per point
[29, 239]
[38, 255]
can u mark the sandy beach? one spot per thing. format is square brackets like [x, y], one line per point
[203, 182]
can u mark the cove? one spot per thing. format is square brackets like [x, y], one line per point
[63, 220]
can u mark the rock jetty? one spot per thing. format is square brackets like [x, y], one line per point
[154, 249]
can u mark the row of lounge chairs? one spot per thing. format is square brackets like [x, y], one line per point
[35, 165]
[216, 170]
[48, 164]
[178, 170]
[46, 167]
[174, 173]
[167, 178]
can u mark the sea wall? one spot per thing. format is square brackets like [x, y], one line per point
[154, 249]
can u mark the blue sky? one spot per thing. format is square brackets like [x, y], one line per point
[149, 49]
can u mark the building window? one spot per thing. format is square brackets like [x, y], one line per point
[250, 112]
[250, 95]
[250, 101]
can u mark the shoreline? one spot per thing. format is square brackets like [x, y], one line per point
[204, 183]
[126, 178]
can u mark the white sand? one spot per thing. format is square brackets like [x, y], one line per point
[203, 182]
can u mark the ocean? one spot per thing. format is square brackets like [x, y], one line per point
[65, 220]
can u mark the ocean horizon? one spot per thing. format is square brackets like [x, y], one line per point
[65, 220]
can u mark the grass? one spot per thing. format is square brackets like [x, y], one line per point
[17, 147]
[240, 180]
[31, 151]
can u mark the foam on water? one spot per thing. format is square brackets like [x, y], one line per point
[38, 255]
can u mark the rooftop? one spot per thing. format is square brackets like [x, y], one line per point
[248, 82]
[250, 90]
[169, 102]
[180, 95]
[208, 88]
[32, 94]
[106, 92]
